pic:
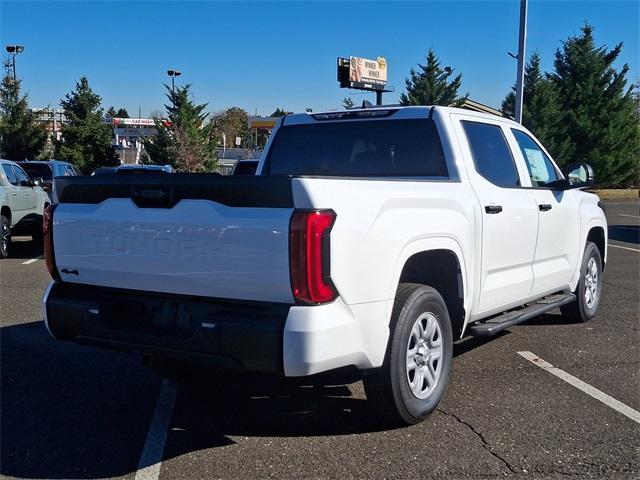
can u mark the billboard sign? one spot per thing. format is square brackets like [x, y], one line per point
[362, 73]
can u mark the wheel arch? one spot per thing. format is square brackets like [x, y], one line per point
[6, 211]
[596, 235]
[440, 264]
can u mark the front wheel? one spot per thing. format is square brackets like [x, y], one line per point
[589, 288]
[412, 380]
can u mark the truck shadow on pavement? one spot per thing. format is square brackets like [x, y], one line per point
[68, 411]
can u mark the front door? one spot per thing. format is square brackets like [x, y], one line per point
[557, 249]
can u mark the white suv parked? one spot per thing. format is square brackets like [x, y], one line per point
[22, 204]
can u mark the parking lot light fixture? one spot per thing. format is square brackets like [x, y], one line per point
[14, 50]
[173, 74]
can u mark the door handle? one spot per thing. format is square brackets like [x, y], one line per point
[544, 207]
[493, 209]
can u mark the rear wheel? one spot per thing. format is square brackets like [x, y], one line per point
[589, 288]
[5, 236]
[413, 378]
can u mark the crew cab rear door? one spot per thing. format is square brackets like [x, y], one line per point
[201, 235]
[509, 213]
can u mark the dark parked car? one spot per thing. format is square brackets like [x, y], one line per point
[133, 169]
[245, 167]
[47, 170]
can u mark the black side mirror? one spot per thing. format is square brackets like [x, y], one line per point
[25, 183]
[37, 182]
[579, 175]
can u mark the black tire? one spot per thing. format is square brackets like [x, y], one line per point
[5, 236]
[579, 310]
[388, 388]
[37, 235]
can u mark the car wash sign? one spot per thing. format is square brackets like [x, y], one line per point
[362, 73]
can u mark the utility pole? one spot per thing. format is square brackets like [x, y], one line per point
[522, 41]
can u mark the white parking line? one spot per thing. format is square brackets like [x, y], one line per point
[624, 248]
[585, 387]
[151, 458]
[29, 262]
[626, 215]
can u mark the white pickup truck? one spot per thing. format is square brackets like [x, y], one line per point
[369, 238]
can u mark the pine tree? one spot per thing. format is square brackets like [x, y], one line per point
[431, 85]
[21, 135]
[599, 111]
[86, 140]
[347, 103]
[185, 140]
[279, 112]
[119, 113]
[541, 112]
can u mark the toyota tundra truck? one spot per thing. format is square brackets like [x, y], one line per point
[369, 238]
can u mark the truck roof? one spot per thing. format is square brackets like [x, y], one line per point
[413, 111]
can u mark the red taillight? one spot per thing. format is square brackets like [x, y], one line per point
[47, 231]
[309, 256]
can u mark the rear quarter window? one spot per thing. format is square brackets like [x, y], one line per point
[381, 148]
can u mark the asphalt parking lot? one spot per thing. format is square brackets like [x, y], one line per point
[69, 411]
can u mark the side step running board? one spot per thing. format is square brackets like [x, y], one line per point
[494, 325]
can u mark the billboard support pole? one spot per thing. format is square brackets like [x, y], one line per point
[378, 98]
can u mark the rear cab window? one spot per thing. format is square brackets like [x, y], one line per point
[491, 153]
[379, 148]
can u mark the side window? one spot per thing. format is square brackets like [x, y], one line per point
[22, 177]
[541, 170]
[11, 176]
[491, 154]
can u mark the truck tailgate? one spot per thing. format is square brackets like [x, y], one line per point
[203, 235]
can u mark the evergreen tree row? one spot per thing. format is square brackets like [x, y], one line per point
[583, 111]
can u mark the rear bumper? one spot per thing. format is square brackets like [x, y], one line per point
[275, 338]
[237, 335]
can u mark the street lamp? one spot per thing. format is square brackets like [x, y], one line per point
[173, 74]
[14, 50]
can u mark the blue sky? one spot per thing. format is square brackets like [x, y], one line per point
[263, 55]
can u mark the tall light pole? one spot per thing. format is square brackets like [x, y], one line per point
[173, 74]
[14, 50]
[522, 41]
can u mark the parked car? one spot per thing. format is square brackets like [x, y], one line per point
[22, 204]
[103, 171]
[245, 167]
[134, 169]
[47, 170]
[370, 238]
